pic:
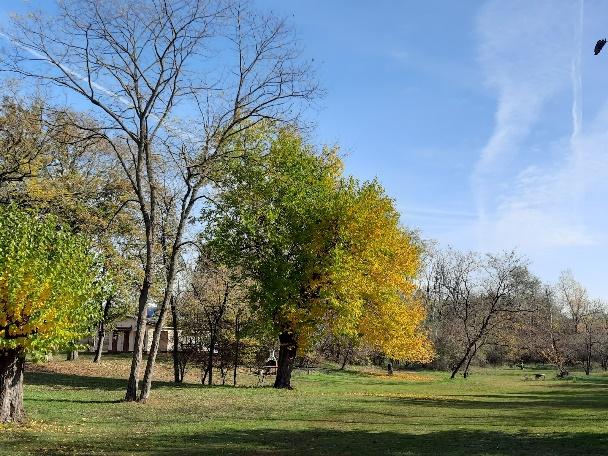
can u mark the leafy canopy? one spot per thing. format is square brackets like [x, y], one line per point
[48, 286]
[372, 275]
[324, 253]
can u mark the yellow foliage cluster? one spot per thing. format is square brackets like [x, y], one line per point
[47, 284]
[373, 279]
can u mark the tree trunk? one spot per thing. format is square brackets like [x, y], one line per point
[177, 371]
[237, 334]
[287, 355]
[210, 358]
[465, 374]
[142, 313]
[72, 355]
[147, 381]
[346, 355]
[101, 331]
[101, 335]
[138, 347]
[190, 198]
[456, 368]
[12, 363]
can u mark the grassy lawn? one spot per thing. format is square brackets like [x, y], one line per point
[76, 409]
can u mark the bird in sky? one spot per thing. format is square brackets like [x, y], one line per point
[598, 46]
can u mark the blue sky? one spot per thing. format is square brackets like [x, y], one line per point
[486, 121]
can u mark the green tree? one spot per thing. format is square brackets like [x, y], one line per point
[166, 124]
[75, 177]
[321, 251]
[48, 296]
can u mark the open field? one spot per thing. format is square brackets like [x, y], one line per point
[495, 412]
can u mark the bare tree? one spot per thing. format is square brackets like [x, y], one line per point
[140, 64]
[478, 295]
[573, 298]
[551, 333]
[602, 346]
[24, 141]
[592, 323]
[217, 292]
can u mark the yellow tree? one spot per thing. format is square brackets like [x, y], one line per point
[372, 279]
[75, 176]
[48, 293]
[321, 251]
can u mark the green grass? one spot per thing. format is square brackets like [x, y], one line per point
[494, 412]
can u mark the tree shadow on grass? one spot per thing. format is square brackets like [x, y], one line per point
[77, 401]
[276, 442]
[74, 381]
[99, 383]
[570, 400]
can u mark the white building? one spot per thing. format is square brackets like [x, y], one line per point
[122, 337]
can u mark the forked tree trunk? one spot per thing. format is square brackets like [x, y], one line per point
[101, 337]
[142, 305]
[287, 356]
[101, 331]
[457, 367]
[12, 362]
[187, 203]
[147, 381]
[138, 348]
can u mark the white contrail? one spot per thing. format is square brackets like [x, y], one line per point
[579, 181]
[577, 81]
[66, 69]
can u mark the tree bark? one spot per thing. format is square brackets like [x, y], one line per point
[12, 363]
[188, 201]
[138, 347]
[460, 363]
[177, 371]
[101, 331]
[101, 336]
[287, 355]
[210, 357]
[147, 382]
[237, 334]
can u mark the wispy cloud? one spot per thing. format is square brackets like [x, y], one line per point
[532, 192]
